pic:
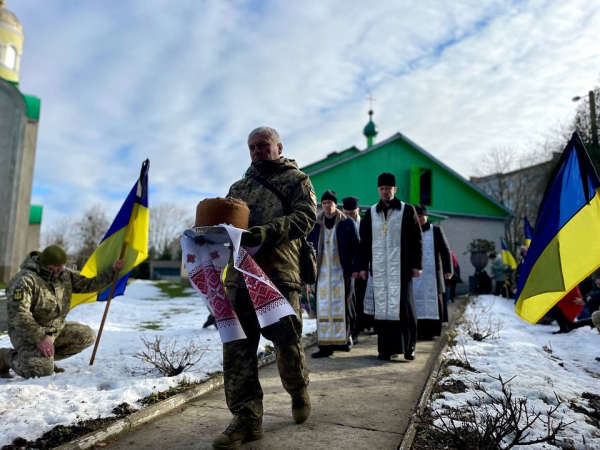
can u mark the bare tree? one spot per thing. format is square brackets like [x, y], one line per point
[167, 222]
[90, 230]
[497, 160]
[60, 231]
[517, 180]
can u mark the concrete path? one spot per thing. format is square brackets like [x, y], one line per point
[358, 402]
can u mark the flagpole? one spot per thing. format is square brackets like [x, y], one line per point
[141, 193]
[110, 296]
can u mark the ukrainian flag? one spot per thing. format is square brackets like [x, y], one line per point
[507, 257]
[528, 232]
[130, 227]
[565, 247]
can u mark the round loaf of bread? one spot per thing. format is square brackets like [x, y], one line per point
[215, 211]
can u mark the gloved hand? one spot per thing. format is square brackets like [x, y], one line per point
[254, 237]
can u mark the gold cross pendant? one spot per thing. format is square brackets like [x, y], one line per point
[384, 229]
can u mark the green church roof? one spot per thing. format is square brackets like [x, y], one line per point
[356, 174]
[331, 158]
[34, 105]
[35, 214]
[371, 130]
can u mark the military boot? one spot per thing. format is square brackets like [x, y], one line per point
[236, 434]
[58, 369]
[4, 367]
[301, 405]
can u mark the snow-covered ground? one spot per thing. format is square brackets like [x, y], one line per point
[28, 408]
[542, 363]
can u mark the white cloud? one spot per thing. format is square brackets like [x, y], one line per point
[183, 83]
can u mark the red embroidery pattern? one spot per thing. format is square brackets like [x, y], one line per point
[207, 279]
[190, 259]
[263, 293]
[214, 255]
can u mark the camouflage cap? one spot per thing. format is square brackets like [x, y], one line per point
[53, 255]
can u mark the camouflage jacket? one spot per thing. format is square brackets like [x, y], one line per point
[38, 302]
[286, 224]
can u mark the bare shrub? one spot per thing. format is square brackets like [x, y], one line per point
[493, 420]
[480, 324]
[459, 356]
[167, 357]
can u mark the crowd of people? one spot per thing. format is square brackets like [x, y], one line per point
[390, 271]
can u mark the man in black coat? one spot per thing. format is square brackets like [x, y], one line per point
[336, 240]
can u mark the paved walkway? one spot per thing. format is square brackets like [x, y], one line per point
[358, 402]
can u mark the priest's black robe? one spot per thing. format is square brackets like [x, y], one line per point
[396, 336]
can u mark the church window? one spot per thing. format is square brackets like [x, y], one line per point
[425, 182]
[10, 57]
[420, 186]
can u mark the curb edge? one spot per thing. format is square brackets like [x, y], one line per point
[152, 412]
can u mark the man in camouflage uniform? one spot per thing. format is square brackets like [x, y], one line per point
[39, 299]
[277, 228]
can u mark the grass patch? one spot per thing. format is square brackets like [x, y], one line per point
[173, 289]
[59, 435]
[151, 326]
[2, 285]
[183, 385]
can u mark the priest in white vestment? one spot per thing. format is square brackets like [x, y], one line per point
[336, 240]
[391, 253]
[428, 290]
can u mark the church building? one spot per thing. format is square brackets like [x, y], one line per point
[19, 120]
[463, 210]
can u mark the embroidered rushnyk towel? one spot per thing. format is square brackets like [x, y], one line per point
[207, 251]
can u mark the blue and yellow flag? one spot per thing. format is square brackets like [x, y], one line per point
[566, 239]
[507, 257]
[131, 227]
[528, 232]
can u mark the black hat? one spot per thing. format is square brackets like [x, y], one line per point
[350, 203]
[329, 195]
[421, 210]
[386, 179]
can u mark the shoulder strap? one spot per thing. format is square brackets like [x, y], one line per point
[280, 196]
[274, 190]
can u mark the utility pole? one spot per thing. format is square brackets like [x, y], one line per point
[593, 119]
[594, 149]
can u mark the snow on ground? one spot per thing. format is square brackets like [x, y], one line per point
[568, 367]
[29, 408]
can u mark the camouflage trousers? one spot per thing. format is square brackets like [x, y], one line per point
[243, 391]
[28, 361]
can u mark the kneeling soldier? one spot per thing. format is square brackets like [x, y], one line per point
[39, 299]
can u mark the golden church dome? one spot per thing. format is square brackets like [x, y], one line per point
[9, 18]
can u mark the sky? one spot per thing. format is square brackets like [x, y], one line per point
[183, 83]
